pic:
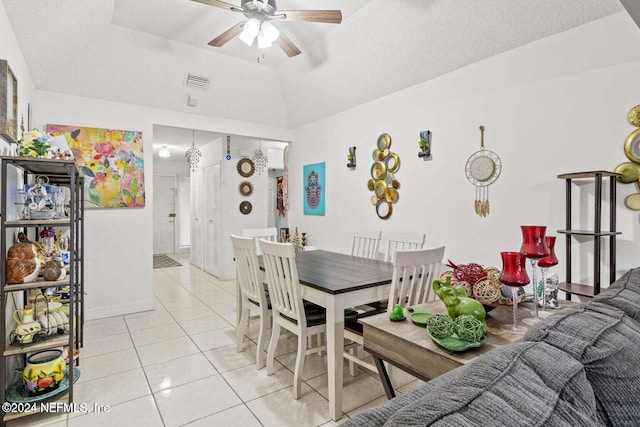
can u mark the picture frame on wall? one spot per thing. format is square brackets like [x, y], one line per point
[284, 235]
[8, 103]
[314, 190]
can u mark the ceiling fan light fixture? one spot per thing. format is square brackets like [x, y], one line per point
[270, 32]
[263, 43]
[250, 31]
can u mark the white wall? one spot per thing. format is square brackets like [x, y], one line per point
[171, 166]
[10, 51]
[232, 221]
[118, 242]
[554, 106]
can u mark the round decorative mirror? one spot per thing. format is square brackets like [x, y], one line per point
[384, 142]
[380, 188]
[391, 194]
[629, 172]
[392, 162]
[245, 207]
[245, 188]
[246, 167]
[633, 202]
[632, 146]
[378, 170]
[384, 209]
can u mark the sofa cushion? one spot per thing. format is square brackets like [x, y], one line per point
[522, 384]
[624, 294]
[607, 343]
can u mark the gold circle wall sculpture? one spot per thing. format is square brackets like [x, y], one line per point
[383, 182]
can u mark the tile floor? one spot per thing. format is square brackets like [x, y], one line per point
[177, 366]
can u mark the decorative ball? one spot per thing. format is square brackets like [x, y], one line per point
[493, 274]
[440, 325]
[463, 284]
[507, 292]
[468, 328]
[473, 273]
[486, 291]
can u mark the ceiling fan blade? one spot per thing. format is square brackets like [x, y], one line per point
[287, 46]
[326, 16]
[218, 3]
[223, 38]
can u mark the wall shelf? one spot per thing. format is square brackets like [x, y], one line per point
[597, 233]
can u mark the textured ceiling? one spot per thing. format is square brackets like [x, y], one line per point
[139, 51]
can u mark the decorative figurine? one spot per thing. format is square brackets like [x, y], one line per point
[397, 314]
[457, 301]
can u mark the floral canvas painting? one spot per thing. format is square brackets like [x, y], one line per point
[111, 162]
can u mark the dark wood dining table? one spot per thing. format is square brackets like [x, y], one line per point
[337, 281]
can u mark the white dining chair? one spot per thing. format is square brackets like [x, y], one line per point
[289, 310]
[403, 241]
[252, 295]
[270, 234]
[413, 272]
[365, 244]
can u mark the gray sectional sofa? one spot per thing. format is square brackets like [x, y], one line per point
[579, 367]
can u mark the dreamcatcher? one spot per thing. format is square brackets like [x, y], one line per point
[483, 169]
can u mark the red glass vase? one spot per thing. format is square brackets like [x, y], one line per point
[551, 259]
[533, 241]
[514, 272]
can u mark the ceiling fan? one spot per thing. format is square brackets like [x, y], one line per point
[260, 13]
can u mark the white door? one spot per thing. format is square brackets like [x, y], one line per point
[197, 222]
[211, 203]
[164, 213]
[183, 223]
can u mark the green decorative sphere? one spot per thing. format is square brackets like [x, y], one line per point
[468, 328]
[440, 326]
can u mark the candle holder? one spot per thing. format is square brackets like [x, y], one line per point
[514, 275]
[351, 157]
[534, 247]
[544, 264]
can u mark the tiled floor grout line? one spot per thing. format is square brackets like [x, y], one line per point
[243, 402]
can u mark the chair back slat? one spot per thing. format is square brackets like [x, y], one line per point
[282, 279]
[413, 272]
[403, 242]
[247, 269]
[366, 244]
[270, 234]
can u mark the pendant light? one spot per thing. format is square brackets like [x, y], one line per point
[193, 154]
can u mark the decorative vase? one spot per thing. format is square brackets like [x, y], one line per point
[534, 247]
[44, 371]
[27, 327]
[514, 274]
[548, 297]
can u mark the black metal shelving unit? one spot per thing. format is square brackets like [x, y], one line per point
[60, 172]
[597, 233]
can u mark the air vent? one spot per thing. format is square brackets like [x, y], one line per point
[193, 80]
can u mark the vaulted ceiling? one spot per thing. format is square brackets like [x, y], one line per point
[140, 51]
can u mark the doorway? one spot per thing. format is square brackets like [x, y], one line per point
[164, 214]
